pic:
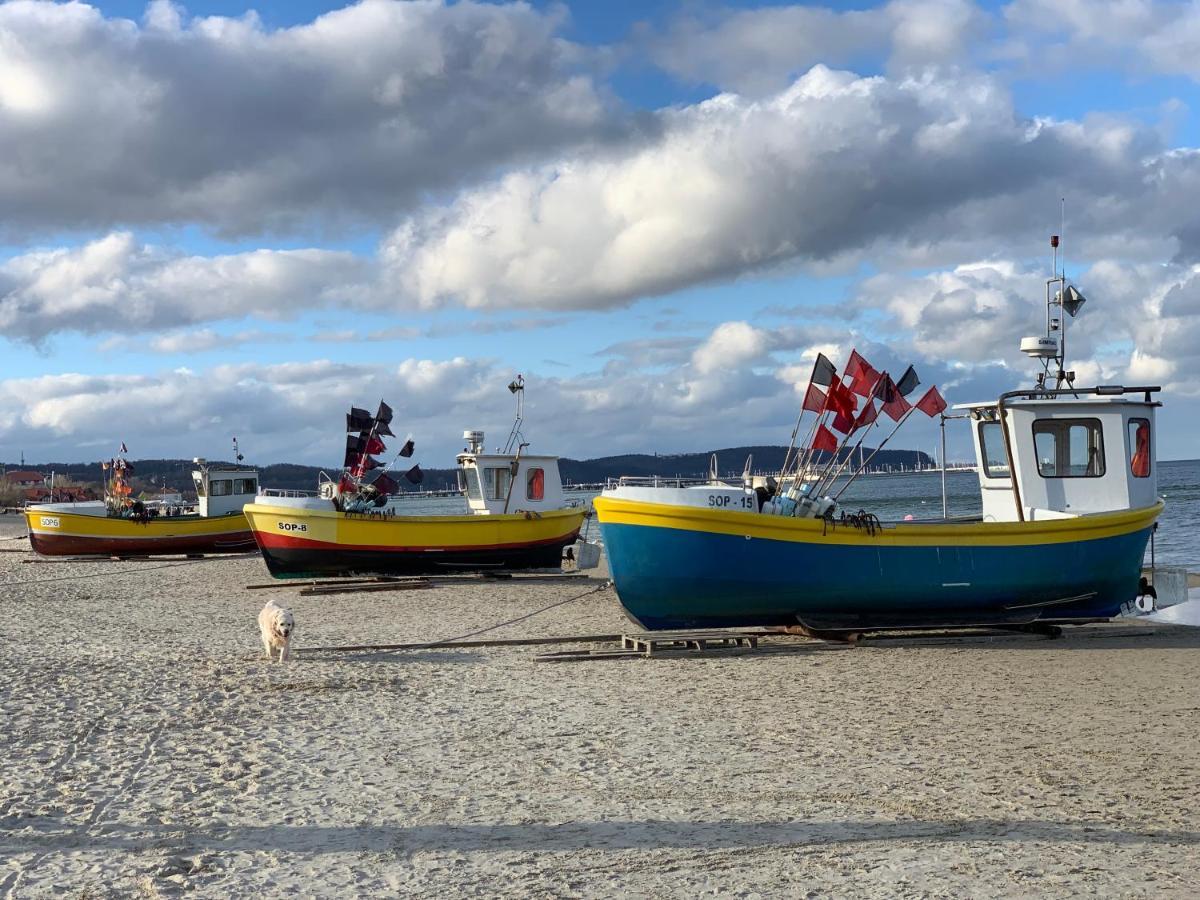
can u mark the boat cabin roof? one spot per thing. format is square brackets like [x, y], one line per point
[1063, 453]
[1101, 395]
[492, 457]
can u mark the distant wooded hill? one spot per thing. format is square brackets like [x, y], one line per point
[176, 473]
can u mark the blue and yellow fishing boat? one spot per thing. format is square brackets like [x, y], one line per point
[1068, 484]
[678, 565]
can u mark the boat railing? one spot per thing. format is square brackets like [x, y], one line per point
[655, 481]
[286, 492]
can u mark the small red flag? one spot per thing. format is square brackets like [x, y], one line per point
[854, 363]
[842, 423]
[869, 414]
[374, 445]
[814, 400]
[840, 400]
[825, 439]
[932, 403]
[896, 407]
[865, 382]
[862, 375]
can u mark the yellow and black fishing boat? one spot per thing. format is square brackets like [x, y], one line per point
[120, 525]
[518, 515]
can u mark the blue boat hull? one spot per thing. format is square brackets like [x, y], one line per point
[688, 577]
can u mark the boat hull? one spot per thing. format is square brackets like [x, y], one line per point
[63, 533]
[676, 567]
[299, 542]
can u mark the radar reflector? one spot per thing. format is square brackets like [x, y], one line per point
[1073, 301]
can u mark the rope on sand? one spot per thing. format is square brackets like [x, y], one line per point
[140, 569]
[462, 637]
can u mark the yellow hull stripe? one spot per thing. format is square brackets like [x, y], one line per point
[75, 525]
[616, 511]
[451, 532]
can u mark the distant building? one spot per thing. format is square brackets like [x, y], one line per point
[24, 478]
[74, 494]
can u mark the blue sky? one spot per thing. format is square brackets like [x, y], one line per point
[228, 223]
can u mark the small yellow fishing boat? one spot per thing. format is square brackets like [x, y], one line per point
[302, 540]
[518, 515]
[122, 526]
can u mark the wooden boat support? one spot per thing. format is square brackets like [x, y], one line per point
[699, 641]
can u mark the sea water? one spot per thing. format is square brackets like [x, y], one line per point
[893, 496]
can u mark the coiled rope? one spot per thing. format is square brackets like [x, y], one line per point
[862, 520]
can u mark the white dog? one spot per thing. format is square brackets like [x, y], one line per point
[277, 626]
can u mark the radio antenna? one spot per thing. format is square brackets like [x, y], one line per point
[1062, 230]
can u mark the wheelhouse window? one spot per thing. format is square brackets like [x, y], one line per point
[471, 476]
[199, 485]
[496, 482]
[991, 450]
[220, 487]
[1139, 447]
[535, 485]
[1069, 448]
[245, 486]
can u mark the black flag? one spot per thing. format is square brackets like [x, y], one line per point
[908, 382]
[885, 388]
[382, 428]
[385, 485]
[823, 371]
[415, 475]
[355, 444]
[384, 415]
[358, 419]
[407, 450]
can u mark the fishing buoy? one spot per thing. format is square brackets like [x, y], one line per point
[1145, 603]
[908, 518]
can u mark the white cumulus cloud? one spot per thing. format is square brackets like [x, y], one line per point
[242, 127]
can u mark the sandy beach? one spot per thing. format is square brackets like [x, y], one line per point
[150, 750]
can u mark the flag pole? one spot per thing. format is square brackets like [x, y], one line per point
[808, 456]
[945, 502]
[823, 476]
[849, 456]
[859, 471]
[792, 443]
[787, 457]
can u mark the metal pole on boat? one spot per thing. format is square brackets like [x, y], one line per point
[847, 461]
[804, 454]
[787, 457]
[945, 504]
[850, 480]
